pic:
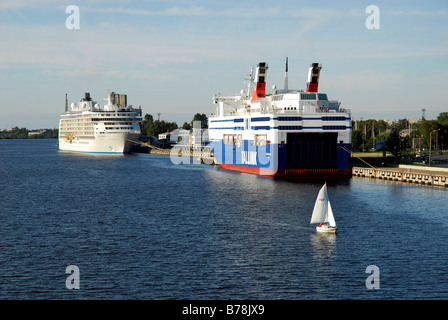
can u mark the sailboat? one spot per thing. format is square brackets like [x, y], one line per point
[323, 214]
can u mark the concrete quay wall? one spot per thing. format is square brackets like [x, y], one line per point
[436, 178]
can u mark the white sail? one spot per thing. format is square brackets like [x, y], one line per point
[321, 206]
[330, 217]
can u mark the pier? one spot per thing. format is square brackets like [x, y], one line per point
[201, 156]
[405, 173]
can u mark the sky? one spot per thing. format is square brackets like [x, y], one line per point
[171, 57]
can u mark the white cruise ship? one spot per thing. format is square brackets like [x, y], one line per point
[88, 127]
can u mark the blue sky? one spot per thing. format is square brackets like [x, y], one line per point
[172, 56]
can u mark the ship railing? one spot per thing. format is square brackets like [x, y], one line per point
[300, 111]
[269, 110]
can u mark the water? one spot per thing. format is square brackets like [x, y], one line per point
[139, 227]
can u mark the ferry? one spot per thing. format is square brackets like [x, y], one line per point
[88, 127]
[285, 133]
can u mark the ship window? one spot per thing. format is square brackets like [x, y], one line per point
[308, 96]
[289, 118]
[290, 127]
[322, 96]
[261, 139]
[334, 127]
[238, 139]
[333, 118]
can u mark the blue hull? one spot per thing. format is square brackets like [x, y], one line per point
[276, 160]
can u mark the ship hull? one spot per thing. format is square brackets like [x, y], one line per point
[284, 160]
[304, 173]
[117, 143]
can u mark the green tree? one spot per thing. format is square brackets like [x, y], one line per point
[402, 124]
[442, 118]
[357, 140]
[147, 120]
[186, 126]
[157, 127]
[394, 143]
[426, 128]
[202, 118]
[151, 127]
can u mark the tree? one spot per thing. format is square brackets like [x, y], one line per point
[186, 126]
[402, 124]
[442, 118]
[426, 128]
[394, 143]
[154, 128]
[357, 140]
[202, 118]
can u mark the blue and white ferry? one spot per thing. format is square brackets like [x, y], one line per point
[285, 133]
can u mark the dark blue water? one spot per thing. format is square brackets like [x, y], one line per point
[139, 227]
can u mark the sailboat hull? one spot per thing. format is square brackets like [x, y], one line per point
[326, 229]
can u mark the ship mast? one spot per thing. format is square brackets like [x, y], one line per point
[285, 86]
[250, 80]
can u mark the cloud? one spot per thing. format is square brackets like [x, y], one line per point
[198, 11]
[415, 13]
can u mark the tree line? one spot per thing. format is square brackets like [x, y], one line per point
[151, 127]
[24, 133]
[401, 134]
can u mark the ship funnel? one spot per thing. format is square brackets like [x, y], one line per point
[313, 77]
[260, 81]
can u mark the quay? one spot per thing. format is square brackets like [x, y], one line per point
[201, 156]
[429, 176]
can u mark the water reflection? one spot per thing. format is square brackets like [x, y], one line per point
[323, 244]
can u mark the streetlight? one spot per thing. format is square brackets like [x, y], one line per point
[437, 140]
[430, 146]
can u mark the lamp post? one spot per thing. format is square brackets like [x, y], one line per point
[437, 140]
[430, 146]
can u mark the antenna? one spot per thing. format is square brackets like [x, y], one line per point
[423, 113]
[250, 79]
[66, 103]
[158, 116]
[285, 87]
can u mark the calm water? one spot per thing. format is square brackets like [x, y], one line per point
[139, 227]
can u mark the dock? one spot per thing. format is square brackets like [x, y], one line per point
[201, 156]
[432, 176]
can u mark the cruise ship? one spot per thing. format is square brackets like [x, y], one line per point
[88, 127]
[285, 133]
